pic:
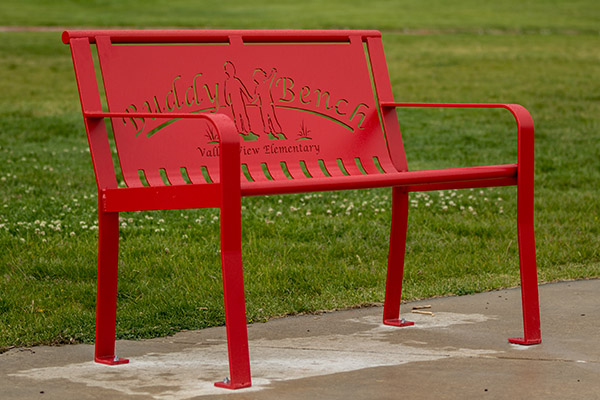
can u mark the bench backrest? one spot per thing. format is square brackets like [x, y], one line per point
[304, 102]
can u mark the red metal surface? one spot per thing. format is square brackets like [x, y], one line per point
[525, 210]
[212, 36]
[395, 271]
[201, 118]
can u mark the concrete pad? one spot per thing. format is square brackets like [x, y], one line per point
[460, 352]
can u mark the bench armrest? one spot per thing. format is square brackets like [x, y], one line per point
[525, 131]
[522, 116]
[229, 142]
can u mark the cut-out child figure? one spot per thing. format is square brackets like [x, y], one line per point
[237, 96]
[262, 90]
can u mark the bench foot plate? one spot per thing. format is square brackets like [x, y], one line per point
[524, 342]
[111, 360]
[397, 322]
[226, 384]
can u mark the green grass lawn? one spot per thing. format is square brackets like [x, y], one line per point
[305, 252]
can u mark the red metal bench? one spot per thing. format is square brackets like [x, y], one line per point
[201, 118]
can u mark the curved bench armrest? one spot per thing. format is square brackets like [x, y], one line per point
[229, 142]
[525, 131]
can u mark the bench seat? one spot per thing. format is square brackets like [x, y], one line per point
[206, 195]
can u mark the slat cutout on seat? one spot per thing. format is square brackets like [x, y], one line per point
[174, 176]
[351, 167]
[153, 177]
[383, 165]
[184, 175]
[323, 168]
[256, 172]
[163, 176]
[246, 173]
[295, 170]
[304, 169]
[276, 171]
[367, 165]
[333, 168]
[142, 178]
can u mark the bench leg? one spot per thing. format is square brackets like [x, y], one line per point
[106, 298]
[527, 262]
[233, 292]
[395, 271]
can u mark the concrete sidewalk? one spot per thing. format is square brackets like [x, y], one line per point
[461, 352]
